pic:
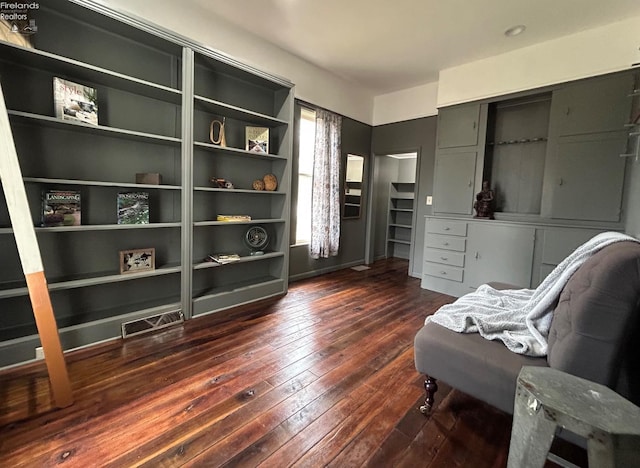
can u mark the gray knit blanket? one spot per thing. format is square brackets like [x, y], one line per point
[520, 318]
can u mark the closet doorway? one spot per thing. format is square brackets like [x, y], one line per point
[392, 215]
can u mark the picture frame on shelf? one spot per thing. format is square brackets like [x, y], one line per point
[257, 139]
[137, 260]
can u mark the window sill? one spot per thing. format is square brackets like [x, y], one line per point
[300, 244]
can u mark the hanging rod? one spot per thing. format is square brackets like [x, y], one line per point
[518, 142]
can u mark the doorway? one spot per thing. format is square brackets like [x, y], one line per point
[392, 207]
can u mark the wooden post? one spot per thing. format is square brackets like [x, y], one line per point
[29, 252]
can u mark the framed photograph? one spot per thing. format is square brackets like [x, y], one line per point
[136, 261]
[257, 139]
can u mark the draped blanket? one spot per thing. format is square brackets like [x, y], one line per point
[520, 318]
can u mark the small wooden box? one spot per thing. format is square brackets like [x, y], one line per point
[151, 178]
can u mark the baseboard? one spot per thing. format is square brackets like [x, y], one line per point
[323, 271]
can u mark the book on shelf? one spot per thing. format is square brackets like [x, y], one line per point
[233, 218]
[257, 139]
[133, 208]
[222, 259]
[61, 208]
[73, 101]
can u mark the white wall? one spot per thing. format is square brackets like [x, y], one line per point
[597, 51]
[407, 104]
[313, 84]
[593, 52]
[407, 170]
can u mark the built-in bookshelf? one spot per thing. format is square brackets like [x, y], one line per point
[400, 219]
[157, 96]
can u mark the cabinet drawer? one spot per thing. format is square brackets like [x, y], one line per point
[445, 226]
[445, 242]
[443, 271]
[444, 257]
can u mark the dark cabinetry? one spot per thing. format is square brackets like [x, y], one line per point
[458, 126]
[589, 177]
[455, 178]
[590, 106]
[547, 155]
[239, 99]
[139, 130]
[586, 172]
[457, 158]
[157, 95]
[554, 161]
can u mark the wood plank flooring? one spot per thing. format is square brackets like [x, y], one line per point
[323, 376]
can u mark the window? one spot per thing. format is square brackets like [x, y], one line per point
[305, 175]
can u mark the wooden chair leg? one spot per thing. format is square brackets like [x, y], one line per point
[430, 387]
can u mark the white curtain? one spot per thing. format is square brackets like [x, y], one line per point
[325, 216]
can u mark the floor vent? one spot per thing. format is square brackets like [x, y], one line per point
[153, 323]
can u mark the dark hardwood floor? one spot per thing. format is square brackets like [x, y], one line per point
[323, 376]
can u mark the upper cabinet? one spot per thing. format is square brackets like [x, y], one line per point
[548, 155]
[585, 174]
[590, 177]
[458, 157]
[596, 105]
[458, 126]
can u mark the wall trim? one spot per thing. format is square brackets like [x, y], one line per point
[322, 271]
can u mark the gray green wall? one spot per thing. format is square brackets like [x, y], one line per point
[356, 139]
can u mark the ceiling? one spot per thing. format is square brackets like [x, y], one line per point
[388, 45]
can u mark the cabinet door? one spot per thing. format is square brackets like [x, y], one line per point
[558, 244]
[453, 187]
[597, 105]
[499, 253]
[458, 126]
[590, 177]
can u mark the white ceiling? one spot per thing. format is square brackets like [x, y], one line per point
[388, 45]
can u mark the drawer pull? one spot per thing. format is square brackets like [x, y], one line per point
[445, 243]
[447, 229]
[443, 272]
[444, 258]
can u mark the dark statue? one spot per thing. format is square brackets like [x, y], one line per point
[485, 202]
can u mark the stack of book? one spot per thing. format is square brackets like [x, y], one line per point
[234, 218]
[222, 258]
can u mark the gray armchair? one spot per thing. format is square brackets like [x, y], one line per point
[595, 334]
